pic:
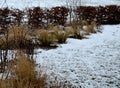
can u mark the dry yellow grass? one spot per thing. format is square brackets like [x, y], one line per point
[19, 36]
[84, 22]
[91, 29]
[15, 37]
[46, 38]
[70, 31]
[52, 36]
[23, 74]
[61, 36]
[88, 27]
[18, 32]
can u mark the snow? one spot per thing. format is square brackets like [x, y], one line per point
[90, 63]
[100, 2]
[21, 4]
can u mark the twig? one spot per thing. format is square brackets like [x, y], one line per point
[5, 2]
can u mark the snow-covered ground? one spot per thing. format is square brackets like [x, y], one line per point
[50, 3]
[90, 63]
[21, 4]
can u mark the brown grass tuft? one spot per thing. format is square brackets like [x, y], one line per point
[46, 38]
[23, 75]
[16, 37]
[61, 36]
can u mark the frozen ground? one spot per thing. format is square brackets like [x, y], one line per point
[90, 63]
[50, 3]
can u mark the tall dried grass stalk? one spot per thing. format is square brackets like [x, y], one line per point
[46, 38]
[16, 37]
[23, 75]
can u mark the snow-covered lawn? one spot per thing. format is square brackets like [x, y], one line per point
[50, 3]
[90, 63]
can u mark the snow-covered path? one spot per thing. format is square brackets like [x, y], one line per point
[90, 63]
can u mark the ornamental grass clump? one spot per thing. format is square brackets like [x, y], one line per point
[89, 28]
[22, 74]
[60, 35]
[46, 38]
[16, 37]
